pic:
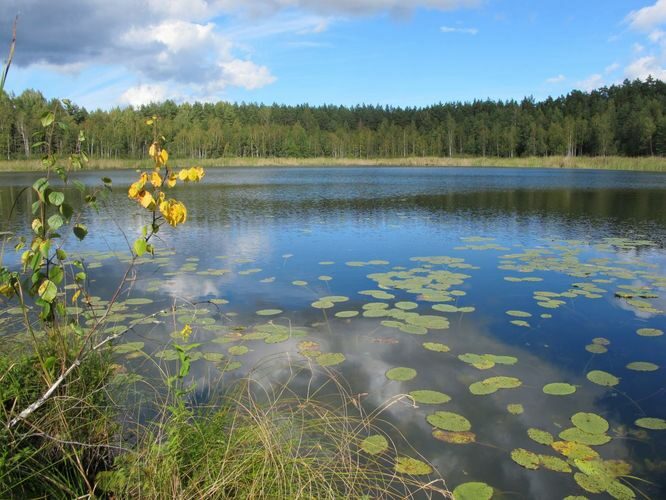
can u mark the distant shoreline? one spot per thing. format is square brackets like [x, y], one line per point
[639, 164]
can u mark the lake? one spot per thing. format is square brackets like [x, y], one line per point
[526, 307]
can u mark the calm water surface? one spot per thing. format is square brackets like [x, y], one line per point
[595, 237]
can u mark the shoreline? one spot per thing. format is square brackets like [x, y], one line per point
[639, 164]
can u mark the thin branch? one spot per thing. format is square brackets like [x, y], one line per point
[11, 55]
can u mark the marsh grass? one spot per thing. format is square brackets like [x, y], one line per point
[639, 164]
[266, 438]
[287, 430]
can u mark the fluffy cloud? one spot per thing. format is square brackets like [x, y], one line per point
[171, 46]
[556, 79]
[647, 18]
[591, 82]
[644, 67]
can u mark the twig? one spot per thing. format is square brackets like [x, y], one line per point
[10, 57]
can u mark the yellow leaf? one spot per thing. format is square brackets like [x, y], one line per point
[146, 199]
[152, 151]
[136, 188]
[76, 296]
[150, 122]
[174, 212]
[186, 332]
[171, 181]
[182, 175]
[164, 156]
[155, 179]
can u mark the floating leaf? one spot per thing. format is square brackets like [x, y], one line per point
[576, 435]
[430, 397]
[649, 332]
[238, 350]
[559, 389]
[541, 437]
[436, 347]
[642, 366]
[406, 306]
[519, 322]
[575, 451]
[525, 458]
[330, 359]
[346, 314]
[128, 347]
[653, 424]
[493, 384]
[375, 444]
[299, 283]
[593, 484]
[554, 463]
[603, 378]
[515, 409]
[401, 374]
[449, 421]
[620, 491]
[138, 301]
[269, 312]
[454, 437]
[590, 422]
[322, 304]
[473, 491]
[411, 466]
[519, 314]
[596, 349]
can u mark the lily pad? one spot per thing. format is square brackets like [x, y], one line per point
[138, 301]
[473, 491]
[412, 466]
[449, 421]
[559, 389]
[526, 458]
[454, 437]
[515, 409]
[299, 283]
[375, 444]
[269, 312]
[322, 304]
[541, 437]
[642, 366]
[406, 306]
[554, 463]
[330, 359]
[603, 378]
[436, 347]
[649, 332]
[238, 350]
[430, 397]
[128, 347]
[401, 374]
[590, 422]
[651, 423]
[582, 437]
[519, 314]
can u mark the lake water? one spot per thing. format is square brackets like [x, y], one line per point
[490, 284]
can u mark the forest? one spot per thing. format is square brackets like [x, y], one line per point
[626, 120]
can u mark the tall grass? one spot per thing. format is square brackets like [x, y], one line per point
[646, 164]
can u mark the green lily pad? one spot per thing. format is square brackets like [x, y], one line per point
[299, 283]
[374, 445]
[559, 389]
[238, 350]
[413, 329]
[128, 347]
[430, 397]
[334, 298]
[269, 312]
[346, 314]
[596, 349]
[473, 491]
[592, 484]
[493, 384]
[603, 378]
[138, 301]
[322, 304]
[412, 466]
[436, 347]
[454, 437]
[519, 314]
[515, 409]
[406, 306]
[642, 366]
[651, 423]
[541, 437]
[520, 322]
[620, 491]
[577, 435]
[590, 422]
[526, 458]
[649, 332]
[449, 421]
[401, 374]
[330, 359]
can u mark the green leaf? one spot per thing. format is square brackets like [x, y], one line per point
[56, 274]
[47, 291]
[56, 198]
[40, 185]
[79, 185]
[80, 231]
[67, 211]
[55, 222]
[61, 254]
[47, 118]
[140, 247]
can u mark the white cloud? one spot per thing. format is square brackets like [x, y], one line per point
[556, 79]
[637, 48]
[465, 31]
[648, 17]
[246, 74]
[644, 67]
[612, 68]
[592, 82]
[144, 94]
[656, 36]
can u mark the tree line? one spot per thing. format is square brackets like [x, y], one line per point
[627, 119]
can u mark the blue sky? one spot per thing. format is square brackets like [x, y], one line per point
[405, 53]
